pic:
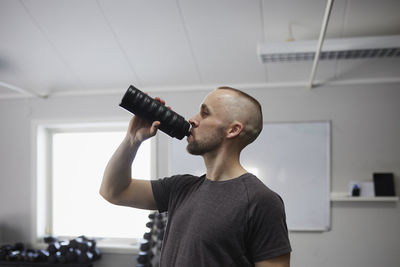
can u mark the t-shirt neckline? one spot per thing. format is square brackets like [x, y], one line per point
[226, 181]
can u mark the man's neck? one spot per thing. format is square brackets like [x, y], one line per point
[223, 165]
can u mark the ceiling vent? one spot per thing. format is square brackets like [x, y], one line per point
[346, 48]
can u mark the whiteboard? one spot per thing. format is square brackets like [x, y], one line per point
[293, 159]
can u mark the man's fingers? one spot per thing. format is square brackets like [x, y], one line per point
[160, 100]
[154, 127]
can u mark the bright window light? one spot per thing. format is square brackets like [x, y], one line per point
[78, 163]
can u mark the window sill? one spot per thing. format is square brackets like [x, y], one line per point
[118, 248]
[109, 246]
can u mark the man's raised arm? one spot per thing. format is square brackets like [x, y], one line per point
[117, 185]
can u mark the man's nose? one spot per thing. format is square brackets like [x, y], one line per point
[194, 122]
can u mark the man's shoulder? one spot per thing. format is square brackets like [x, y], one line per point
[255, 185]
[259, 192]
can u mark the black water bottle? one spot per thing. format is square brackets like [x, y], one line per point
[151, 110]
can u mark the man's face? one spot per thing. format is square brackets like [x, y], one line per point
[208, 126]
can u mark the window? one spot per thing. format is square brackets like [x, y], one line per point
[69, 177]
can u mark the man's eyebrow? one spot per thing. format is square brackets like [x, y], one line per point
[204, 107]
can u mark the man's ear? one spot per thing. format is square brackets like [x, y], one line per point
[234, 129]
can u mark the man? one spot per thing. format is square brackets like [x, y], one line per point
[227, 217]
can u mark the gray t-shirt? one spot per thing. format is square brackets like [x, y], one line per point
[228, 223]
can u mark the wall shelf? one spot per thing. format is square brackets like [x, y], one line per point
[345, 197]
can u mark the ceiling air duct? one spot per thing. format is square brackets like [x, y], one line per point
[346, 48]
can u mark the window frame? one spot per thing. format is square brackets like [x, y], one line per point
[41, 171]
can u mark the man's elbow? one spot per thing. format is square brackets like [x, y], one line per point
[107, 195]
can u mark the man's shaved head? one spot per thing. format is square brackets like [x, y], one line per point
[245, 109]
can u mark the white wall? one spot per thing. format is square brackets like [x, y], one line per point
[365, 139]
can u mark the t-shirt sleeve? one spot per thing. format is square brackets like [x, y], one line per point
[162, 192]
[267, 230]
[169, 192]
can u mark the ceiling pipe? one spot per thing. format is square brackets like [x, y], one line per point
[21, 90]
[320, 42]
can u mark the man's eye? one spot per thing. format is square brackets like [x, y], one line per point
[204, 113]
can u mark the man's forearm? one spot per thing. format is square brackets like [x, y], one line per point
[117, 174]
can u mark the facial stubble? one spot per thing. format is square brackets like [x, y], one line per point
[207, 144]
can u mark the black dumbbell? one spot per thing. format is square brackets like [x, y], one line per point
[4, 250]
[72, 254]
[144, 257]
[145, 245]
[92, 241]
[54, 258]
[43, 255]
[31, 255]
[64, 247]
[148, 235]
[75, 243]
[150, 225]
[160, 216]
[14, 252]
[96, 253]
[160, 224]
[83, 243]
[160, 234]
[85, 257]
[152, 215]
[53, 248]
[15, 255]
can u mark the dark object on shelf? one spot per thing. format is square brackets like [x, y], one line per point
[151, 110]
[355, 192]
[384, 184]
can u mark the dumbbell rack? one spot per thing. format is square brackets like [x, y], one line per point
[150, 247]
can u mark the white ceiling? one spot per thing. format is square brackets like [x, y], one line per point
[61, 47]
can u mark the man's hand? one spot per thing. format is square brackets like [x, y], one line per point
[139, 129]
